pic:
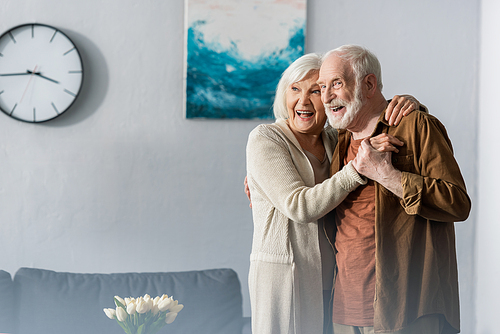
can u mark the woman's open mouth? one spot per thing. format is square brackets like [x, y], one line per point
[304, 114]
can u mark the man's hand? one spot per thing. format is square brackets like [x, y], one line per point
[247, 191]
[377, 166]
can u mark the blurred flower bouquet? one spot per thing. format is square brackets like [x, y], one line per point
[144, 315]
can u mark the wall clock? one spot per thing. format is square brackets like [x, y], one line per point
[41, 72]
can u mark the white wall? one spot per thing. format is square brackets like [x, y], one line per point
[123, 182]
[488, 227]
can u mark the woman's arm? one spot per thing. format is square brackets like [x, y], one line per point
[273, 177]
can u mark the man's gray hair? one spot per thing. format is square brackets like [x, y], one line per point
[297, 71]
[362, 60]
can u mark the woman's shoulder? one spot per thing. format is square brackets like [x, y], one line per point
[271, 131]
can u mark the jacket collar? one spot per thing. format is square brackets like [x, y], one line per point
[381, 119]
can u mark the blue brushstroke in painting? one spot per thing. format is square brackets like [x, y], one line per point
[222, 84]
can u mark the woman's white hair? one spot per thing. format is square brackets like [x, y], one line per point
[362, 60]
[297, 71]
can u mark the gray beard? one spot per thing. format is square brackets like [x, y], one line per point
[352, 110]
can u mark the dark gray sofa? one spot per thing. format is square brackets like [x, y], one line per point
[49, 302]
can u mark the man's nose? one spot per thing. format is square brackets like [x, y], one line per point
[327, 95]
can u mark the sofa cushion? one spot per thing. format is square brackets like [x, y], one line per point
[7, 303]
[61, 303]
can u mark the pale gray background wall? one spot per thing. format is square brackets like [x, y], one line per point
[123, 182]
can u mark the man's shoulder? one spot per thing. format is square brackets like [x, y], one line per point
[417, 117]
[418, 124]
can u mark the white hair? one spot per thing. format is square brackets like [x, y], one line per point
[362, 61]
[297, 71]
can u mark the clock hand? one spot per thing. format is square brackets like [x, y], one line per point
[12, 74]
[42, 76]
[31, 76]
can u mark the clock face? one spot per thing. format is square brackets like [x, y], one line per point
[41, 73]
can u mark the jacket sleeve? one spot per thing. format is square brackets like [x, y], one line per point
[438, 191]
[274, 177]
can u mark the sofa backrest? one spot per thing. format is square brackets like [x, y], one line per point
[7, 303]
[60, 303]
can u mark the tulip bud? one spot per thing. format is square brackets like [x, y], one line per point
[174, 302]
[110, 313]
[177, 308]
[121, 314]
[155, 310]
[170, 317]
[119, 299]
[142, 306]
[149, 302]
[131, 307]
[165, 304]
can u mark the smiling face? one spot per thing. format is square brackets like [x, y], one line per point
[306, 112]
[340, 94]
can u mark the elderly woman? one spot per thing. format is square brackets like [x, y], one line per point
[288, 162]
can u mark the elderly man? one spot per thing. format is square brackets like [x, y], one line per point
[395, 239]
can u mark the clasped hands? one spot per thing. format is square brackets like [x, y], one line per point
[374, 161]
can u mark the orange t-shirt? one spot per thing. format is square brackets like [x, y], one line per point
[355, 242]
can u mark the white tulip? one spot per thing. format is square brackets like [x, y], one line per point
[131, 307]
[120, 300]
[150, 304]
[177, 308]
[142, 306]
[155, 310]
[110, 313]
[170, 317]
[121, 314]
[165, 304]
[174, 303]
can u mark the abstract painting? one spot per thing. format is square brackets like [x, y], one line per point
[235, 53]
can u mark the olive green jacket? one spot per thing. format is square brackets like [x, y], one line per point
[416, 267]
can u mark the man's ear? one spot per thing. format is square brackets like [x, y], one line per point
[370, 82]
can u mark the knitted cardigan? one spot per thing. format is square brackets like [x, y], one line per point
[285, 278]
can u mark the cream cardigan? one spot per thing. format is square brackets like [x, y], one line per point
[285, 278]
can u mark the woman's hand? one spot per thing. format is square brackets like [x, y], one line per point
[400, 105]
[385, 143]
[247, 191]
